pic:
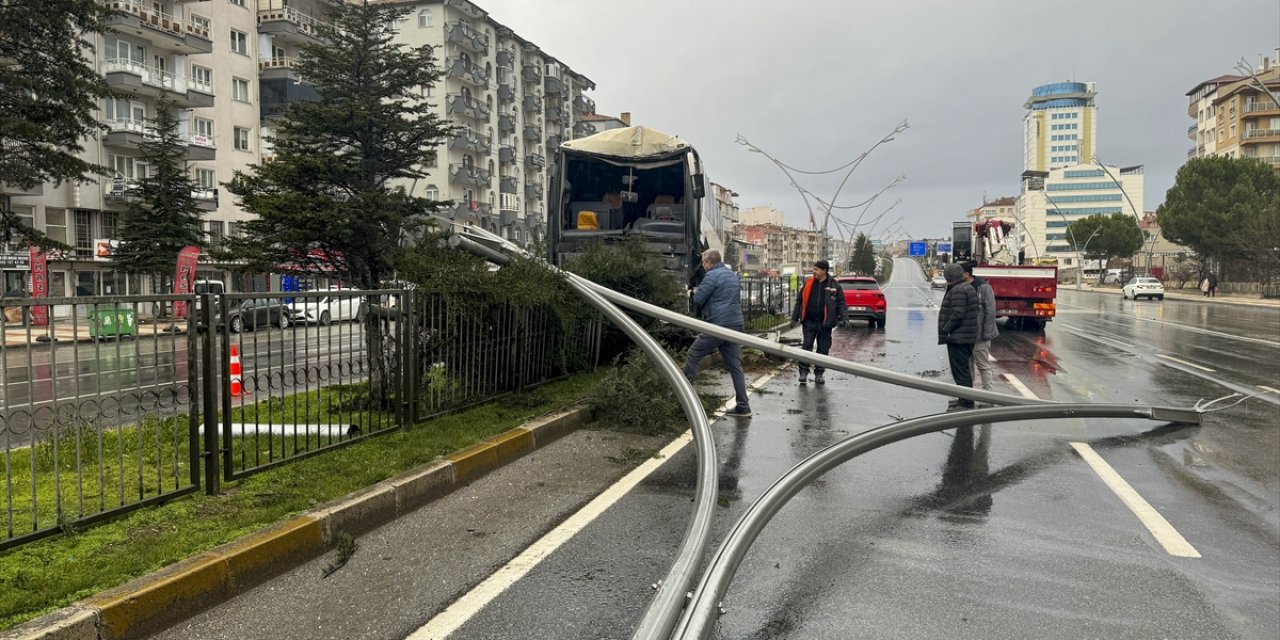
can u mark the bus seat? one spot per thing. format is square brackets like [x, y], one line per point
[587, 221]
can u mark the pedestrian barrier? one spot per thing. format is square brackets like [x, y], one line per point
[237, 388]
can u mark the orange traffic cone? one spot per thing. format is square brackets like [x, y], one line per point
[236, 386]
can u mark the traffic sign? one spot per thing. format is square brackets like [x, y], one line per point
[919, 249]
[944, 247]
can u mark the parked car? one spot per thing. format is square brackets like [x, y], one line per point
[333, 307]
[247, 315]
[1143, 287]
[938, 282]
[1113, 276]
[863, 300]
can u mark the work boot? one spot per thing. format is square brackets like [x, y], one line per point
[817, 379]
[804, 377]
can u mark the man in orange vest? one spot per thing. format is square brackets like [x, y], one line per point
[819, 308]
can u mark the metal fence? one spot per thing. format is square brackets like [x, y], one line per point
[108, 405]
[766, 302]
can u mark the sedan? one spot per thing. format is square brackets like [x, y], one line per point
[256, 312]
[938, 282]
[1143, 287]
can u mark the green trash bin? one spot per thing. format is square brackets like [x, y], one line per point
[107, 322]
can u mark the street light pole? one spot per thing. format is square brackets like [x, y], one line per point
[1136, 214]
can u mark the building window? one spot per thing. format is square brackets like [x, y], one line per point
[216, 230]
[202, 75]
[84, 233]
[424, 19]
[432, 193]
[109, 228]
[240, 89]
[237, 230]
[55, 224]
[205, 178]
[238, 3]
[240, 42]
[242, 139]
[203, 131]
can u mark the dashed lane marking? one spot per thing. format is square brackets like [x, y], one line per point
[1165, 534]
[1266, 388]
[1185, 363]
[1022, 388]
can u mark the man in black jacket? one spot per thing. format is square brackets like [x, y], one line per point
[819, 307]
[958, 329]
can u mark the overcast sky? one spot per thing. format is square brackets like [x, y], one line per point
[817, 82]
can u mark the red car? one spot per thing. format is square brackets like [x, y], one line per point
[863, 300]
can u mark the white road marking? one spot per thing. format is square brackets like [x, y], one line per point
[1165, 534]
[1022, 388]
[1176, 325]
[1095, 338]
[1184, 362]
[1266, 388]
[464, 608]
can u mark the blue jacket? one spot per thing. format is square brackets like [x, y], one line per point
[719, 296]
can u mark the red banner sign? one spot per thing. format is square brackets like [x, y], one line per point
[184, 281]
[39, 286]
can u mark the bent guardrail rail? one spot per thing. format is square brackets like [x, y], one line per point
[664, 612]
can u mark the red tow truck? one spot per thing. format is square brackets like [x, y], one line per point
[1024, 292]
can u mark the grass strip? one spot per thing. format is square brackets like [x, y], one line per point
[49, 574]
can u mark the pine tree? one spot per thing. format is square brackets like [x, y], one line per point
[48, 96]
[163, 216]
[334, 189]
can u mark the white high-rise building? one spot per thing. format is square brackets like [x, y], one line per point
[1060, 126]
[1052, 200]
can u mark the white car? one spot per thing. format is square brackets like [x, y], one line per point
[1143, 287]
[938, 282]
[333, 307]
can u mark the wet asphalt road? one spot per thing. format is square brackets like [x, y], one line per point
[992, 532]
[996, 531]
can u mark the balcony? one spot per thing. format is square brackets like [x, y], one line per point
[583, 105]
[507, 217]
[508, 184]
[206, 199]
[506, 154]
[554, 112]
[1191, 153]
[1261, 107]
[284, 68]
[1191, 131]
[532, 132]
[535, 161]
[467, 72]
[120, 190]
[531, 73]
[1261, 135]
[554, 86]
[506, 91]
[287, 24]
[533, 219]
[127, 76]
[553, 142]
[468, 175]
[1271, 160]
[582, 128]
[506, 122]
[467, 37]
[506, 58]
[533, 190]
[468, 107]
[276, 94]
[531, 104]
[188, 36]
[129, 133]
[468, 140]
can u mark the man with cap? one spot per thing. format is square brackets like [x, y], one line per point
[819, 308]
[958, 329]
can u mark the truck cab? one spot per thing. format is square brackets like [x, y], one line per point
[1024, 292]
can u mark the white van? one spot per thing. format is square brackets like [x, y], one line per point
[333, 307]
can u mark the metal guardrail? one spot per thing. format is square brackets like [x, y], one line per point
[664, 611]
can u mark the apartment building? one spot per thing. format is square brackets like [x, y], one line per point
[1234, 117]
[779, 248]
[229, 68]
[1060, 126]
[515, 104]
[1052, 200]
[1003, 208]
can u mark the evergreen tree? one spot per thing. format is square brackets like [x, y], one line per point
[1102, 237]
[863, 259]
[48, 96]
[163, 216]
[334, 197]
[334, 191]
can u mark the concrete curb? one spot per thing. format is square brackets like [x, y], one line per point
[153, 602]
[1186, 297]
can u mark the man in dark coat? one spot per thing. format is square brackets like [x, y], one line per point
[719, 299]
[958, 328]
[819, 308]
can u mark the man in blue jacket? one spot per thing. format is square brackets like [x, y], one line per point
[719, 296]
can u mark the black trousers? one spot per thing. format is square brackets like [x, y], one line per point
[960, 357]
[814, 331]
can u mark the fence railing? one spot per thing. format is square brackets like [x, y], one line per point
[766, 302]
[113, 403]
